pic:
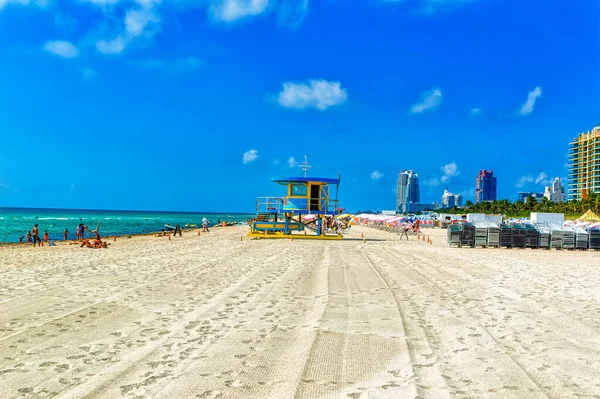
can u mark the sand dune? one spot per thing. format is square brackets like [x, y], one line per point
[217, 317]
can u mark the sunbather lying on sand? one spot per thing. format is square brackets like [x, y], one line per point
[93, 244]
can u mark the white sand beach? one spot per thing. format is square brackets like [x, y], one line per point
[219, 317]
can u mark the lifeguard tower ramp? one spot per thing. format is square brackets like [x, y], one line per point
[301, 213]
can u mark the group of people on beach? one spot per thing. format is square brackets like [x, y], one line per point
[34, 236]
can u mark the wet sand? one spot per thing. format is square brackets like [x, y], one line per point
[219, 317]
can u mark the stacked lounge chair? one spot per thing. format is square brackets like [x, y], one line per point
[556, 240]
[594, 238]
[481, 233]
[493, 235]
[468, 235]
[545, 236]
[582, 237]
[532, 236]
[568, 238]
[506, 234]
[518, 236]
[455, 234]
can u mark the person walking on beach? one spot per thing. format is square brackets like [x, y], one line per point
[36, 235]
[204, 224]
[66, 234]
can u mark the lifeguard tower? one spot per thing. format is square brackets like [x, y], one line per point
[300, 214]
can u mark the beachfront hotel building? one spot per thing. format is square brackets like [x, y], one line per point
[450, 200]
[408, 190]
[485, 186]
[556, 191]
[584, 165]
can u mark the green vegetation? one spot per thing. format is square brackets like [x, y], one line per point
[571, 209]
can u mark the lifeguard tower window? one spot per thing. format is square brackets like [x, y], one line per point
[314, 198]
[298, 190]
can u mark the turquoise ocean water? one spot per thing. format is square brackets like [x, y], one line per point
[16, 222]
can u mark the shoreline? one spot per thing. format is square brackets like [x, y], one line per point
[108, 239]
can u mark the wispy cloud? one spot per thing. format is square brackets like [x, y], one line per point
[449, 170]
[114, 46]
[143, 21]
[523, 180]
[428, 101]
[376, 175]
[61, 48]
[249, 156]
[292, 13]
[292, 162]
[316, 93]
[542, 178]
[475, 111]
[532, 97]
[276, 162]
[232, 10]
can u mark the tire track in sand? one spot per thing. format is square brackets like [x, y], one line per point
[429, 382]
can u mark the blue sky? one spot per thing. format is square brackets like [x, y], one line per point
[195, 104]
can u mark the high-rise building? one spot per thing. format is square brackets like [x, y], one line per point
[450, 200]
[485, 186]
[584, 164]
[408, 189]
[555, 192]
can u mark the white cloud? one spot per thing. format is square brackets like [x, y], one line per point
[542, 178]
[532, 97]
[232, 10]
[115, 46]
[249, 156]
[429, 100]
[292, 12]
[449, 170]
[61, 48]
[320, 94]
[475, 111]
[376, 175]
[292, 162]
[523, 180]
[136, 21]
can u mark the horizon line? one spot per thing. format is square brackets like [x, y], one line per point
[119, 210]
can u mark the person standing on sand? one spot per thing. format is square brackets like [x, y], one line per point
[36, 235]
[66, 234]
[204, 224]
[45, 236]
[28, 237]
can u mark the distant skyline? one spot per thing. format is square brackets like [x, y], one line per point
[194, 106]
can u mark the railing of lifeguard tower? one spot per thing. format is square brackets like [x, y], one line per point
[276, 205]
[269, 204]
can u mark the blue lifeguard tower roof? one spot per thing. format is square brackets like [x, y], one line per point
[286, 180]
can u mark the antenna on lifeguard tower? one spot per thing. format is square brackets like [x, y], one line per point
[305, 166]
